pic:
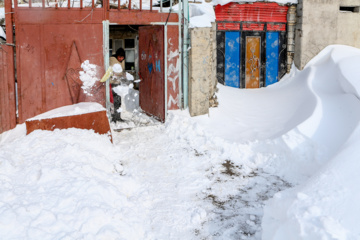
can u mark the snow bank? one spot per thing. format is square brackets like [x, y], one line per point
[264, 113]
[325, 206]
[64, 184]
[337, 107]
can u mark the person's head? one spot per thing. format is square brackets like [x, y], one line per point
[120, 54]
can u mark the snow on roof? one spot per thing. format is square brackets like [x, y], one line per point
[201, 14]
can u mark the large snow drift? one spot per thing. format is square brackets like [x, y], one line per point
[327, 205]
[207, 177]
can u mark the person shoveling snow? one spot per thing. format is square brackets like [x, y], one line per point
[125, 97]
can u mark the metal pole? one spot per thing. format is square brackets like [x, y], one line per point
[291, 36]
[165, 70]
[106, 62]
[180, 101]
[185, 55]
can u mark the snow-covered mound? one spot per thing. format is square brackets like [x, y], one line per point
[60, 185]
[320, 102]
[327, 205]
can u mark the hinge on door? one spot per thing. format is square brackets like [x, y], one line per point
[9, 44]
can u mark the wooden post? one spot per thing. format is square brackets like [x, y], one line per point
[9, 19]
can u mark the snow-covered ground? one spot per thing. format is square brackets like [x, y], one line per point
[272, 163]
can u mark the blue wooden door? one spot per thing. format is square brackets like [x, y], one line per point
[272, 58]
[232, 59]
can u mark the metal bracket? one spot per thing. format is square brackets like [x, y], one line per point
[8, 44]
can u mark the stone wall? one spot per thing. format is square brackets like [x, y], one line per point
[202, 70]
[321, 23]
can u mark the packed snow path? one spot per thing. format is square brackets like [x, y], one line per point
[190, 188]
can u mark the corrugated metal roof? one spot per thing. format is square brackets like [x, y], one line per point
[256, 12]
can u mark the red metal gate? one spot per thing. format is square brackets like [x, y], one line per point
[53, 41]
[7, 77]
[50, 50]
[7, 89]
[151, 67]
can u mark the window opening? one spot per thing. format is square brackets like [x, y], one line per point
[130, 54]
[349, 9]
[123, 36]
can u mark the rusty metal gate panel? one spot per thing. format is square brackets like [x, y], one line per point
[53, 41]
[7, 76]
[7, 89]
[49, 56]
[151, 68]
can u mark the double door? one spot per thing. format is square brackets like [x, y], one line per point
[250, 59]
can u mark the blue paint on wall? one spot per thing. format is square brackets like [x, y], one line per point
[158, 65]
[232, 59]
[150, 67]
[272, 58]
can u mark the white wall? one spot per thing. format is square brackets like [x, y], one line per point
[321, 23]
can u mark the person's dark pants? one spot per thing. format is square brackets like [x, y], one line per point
[117, 104]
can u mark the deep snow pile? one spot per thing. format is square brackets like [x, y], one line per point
[327, 205]
[207, 177]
